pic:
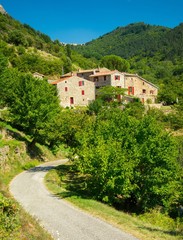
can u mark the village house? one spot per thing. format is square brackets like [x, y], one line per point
[140, 88]
[75, 91]
[69, 88]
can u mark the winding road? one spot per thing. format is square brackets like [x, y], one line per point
[59, 218]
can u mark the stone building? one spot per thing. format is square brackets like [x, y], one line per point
[75, 91]
[139, 87]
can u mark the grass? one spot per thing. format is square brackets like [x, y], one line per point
[63, 182]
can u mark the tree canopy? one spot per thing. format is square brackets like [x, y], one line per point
[115, 62]
[33, 103]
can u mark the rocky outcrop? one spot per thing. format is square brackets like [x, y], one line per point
[2, 10]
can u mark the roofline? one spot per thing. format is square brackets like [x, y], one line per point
[105, 73]
[136, 75]
[67, 78]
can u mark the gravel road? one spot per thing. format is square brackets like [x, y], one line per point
[59, 218]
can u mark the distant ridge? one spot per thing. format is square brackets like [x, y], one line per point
[2, 10]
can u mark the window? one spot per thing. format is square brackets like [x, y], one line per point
[143, 83]
[130, 90]
[105, 78]
[143, 90]
[81, 83]
[71, 100]
[95, 79]
[151, 92]
[117, 77]
[83, 92]
[65, 81]
[66, 89]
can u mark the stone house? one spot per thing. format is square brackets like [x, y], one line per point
[75, 91]
[140, 88]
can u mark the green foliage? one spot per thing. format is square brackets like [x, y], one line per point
[128, 162]
[30, 165]
[157, 174]
[135, 109]
[3, 63]
[9, 221]
[115, 62]
[158, 219]
[17, 37]
[22, 38]
[33, 103]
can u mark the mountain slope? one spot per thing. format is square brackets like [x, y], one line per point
[21, 44]
[138, 39]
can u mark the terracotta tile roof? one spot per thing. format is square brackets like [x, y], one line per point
[60, 80]
[94, 70]
[86, 71]
[104, 73]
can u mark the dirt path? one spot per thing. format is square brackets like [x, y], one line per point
[59, 218]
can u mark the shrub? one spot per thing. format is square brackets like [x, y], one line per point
[9, 221]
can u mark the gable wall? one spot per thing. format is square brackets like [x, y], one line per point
[76, 92]
[141, 89]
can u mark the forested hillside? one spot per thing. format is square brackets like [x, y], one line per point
[138, 39]
[29, 50]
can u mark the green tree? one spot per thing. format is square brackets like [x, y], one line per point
[68, 51]
[115, 62]
[17, 37]
[157, 175]
[3, 63]
[33, 104]
[128, 161]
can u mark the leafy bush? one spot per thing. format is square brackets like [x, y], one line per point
[158, 219]
[9, 221]
[29, 165]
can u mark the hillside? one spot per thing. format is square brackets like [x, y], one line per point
[30, 50]
[138, 39]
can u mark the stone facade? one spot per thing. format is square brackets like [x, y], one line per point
[112, 78]
[139, 87]
[75, 91]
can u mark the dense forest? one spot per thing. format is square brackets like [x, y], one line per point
[129, 157]
[138, 39]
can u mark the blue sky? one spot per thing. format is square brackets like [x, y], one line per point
[80, 21]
